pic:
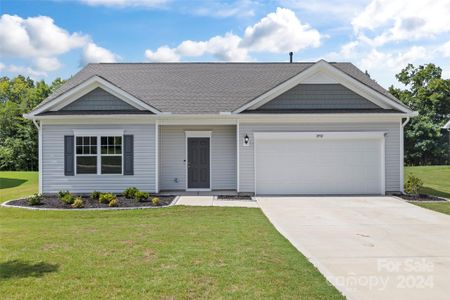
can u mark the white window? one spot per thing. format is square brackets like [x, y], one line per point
[101, 154]
[111, 154]
[86, 152]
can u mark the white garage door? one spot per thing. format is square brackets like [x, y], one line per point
[319, 163]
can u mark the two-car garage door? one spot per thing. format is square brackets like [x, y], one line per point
[319, 163]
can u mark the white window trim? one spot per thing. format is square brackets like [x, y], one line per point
[99, 134]
[198, 134]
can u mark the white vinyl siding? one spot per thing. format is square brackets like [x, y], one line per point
[392, 147]
[172, 155]
[53, 178]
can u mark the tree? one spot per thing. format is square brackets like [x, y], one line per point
[429, 94]
[18, 136]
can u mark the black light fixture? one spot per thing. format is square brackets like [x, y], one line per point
[246, 140]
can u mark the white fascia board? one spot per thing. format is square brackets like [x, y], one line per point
[342, 78]
[320, 135]
[87, 86]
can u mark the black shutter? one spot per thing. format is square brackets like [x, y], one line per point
[69, 169]
[128, 155]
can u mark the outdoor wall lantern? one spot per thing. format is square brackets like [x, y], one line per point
[246, 140]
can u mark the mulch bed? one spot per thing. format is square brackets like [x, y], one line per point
[421, 197]
[234, 197]
[54, 202]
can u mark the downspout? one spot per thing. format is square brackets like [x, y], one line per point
[406, 122]
[39, 128]
[402, 158]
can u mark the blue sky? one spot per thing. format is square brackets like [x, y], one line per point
[55, 38]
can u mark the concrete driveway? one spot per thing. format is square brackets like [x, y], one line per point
[369, 247]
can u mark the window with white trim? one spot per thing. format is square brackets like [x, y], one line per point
[86, 154]
[111, 154]
[98, 154]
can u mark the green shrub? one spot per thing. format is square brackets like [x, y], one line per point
[78, 203]
[68, 199]
[413, 184]
[130, 192]
[36, 199]
[106, 198]
[95, 195]
[113, 203]
[155, 201]
[61, 194]
[141, 196]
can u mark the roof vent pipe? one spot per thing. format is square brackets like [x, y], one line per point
[291, 54]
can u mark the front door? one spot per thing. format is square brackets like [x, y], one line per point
[198, 163]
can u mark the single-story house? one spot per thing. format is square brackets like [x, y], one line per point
[257, 128]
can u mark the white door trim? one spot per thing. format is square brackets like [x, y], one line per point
[198, 134]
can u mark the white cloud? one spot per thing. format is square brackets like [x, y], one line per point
[96, 54]
[395, 61]
[163, 54]
[47, 64]
[445, 49]
[384, 21]
[126, 3]
[26, 71]
[2, 66]
[278, 32]
[35, 36]
[40, 41]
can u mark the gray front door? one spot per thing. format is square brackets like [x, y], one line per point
[198, 163]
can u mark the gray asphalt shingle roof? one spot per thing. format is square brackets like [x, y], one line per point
[185, 88]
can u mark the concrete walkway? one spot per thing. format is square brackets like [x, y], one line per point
[369, 247]
[212, 201]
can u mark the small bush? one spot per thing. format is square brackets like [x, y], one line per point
[61, 194]
[113, 203]
[413, 184]
[130, 192]
[68, 199]
[106, 198]
[78, 203]
[141, 196]
[155, 201]
[36, 199]
[95, 195]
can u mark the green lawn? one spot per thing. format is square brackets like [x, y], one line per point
[169, 253]
[443, 207]
[436, 179]
[14, 185]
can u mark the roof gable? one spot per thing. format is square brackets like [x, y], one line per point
[98, 99]
[318, 96]
[323, 72]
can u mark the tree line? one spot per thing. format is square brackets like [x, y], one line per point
[424, 90]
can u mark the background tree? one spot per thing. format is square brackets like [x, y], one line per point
[428, 93]
[18, 136]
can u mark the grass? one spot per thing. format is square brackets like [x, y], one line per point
[442, 207]
[436, 179]
[14, 185]
[170, 253]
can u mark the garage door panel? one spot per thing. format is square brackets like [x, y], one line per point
[305, 166]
